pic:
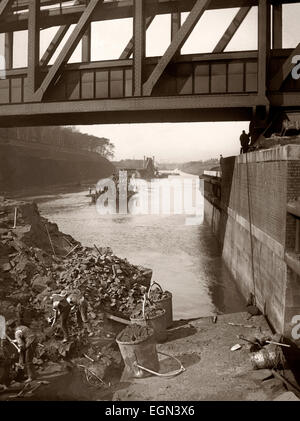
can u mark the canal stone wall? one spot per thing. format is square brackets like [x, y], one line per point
[247, 210]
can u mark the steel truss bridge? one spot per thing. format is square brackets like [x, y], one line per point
[219, 86]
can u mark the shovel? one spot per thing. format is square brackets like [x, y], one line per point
[13, 343]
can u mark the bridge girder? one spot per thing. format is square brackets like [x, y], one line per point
[114, 10]
[229, 85]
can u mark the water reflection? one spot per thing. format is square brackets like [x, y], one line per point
[185, 258]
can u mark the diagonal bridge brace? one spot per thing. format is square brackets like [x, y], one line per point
[4, 6]
[58, 37]
[68, 49]
[178, 41]
[232, 29]
[128, 50]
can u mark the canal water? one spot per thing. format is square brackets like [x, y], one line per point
[182, 251]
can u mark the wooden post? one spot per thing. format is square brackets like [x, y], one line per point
[33, 45]
[277, 26]
[9, 42]
[264, 38]
[86, 46]
[139, 46]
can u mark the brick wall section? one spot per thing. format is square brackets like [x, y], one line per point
[274, 179]
[293, 192]
[267, 186]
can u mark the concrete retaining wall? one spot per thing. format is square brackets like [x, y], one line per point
[256, 188]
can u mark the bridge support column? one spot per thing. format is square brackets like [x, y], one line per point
[9, 42]
[264, 40]
[33, 45]
[258, 123]
[86, 46]
[175, 24]
[139, 46]
[277, 26]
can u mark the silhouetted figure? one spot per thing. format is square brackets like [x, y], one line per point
[26, 341]
[245, 140]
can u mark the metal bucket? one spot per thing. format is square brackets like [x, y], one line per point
[157, 323]
[265, 358]
[165, 303]
[141, 352]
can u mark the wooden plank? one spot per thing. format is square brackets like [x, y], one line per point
[284, 71]
[58, 37]
[178, 41]
[33, 45]
[8, 52]
[86, 46]
[264, 38]
[231, 30]
[277, 26]
[68, 48]
[128, 50]
[139, 46]
[4, 6]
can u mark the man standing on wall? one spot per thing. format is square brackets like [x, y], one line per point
[245, 140]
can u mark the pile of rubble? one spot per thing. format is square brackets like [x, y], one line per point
[37, 261]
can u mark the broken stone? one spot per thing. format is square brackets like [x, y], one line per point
[6, 267]
[40, 283]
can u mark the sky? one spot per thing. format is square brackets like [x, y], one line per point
[169, 142]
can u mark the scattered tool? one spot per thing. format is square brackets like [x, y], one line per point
[50, 240]
[118, 319]
[39, 384]
[278, 343]
[25, 392]
[236, 347]
[69, 242]
[97, 249]
[241, 325]
[288, 384]
[250, 342]
[89, 358]
[13, 343]
[21, 393]
[71, 251]
[88, 371]
[15, 218]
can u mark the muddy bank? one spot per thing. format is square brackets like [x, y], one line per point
[23, 168]
[213, 372]
[37, 262]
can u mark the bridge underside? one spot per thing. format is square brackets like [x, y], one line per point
[220, 86]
